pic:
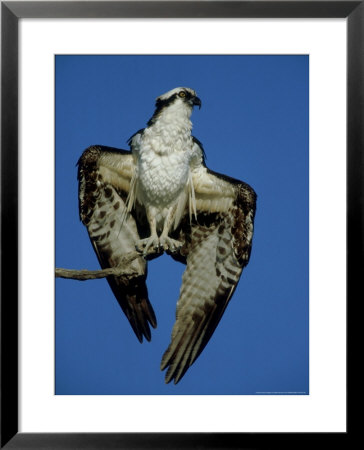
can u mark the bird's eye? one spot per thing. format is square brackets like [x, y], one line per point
[182, 94]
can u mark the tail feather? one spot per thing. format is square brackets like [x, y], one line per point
[133, 300]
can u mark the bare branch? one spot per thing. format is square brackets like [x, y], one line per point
[83, 275]
[119, 271]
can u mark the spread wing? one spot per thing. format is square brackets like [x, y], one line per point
[217, 247]
[105, 176]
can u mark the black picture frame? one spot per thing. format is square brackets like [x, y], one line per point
[11, 12]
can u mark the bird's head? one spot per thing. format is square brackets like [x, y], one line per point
[178, 102]
[179, 95]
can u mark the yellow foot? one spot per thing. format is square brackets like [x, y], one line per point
[170, 244]
[145, 244]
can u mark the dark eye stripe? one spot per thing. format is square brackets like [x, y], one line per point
[160, 104]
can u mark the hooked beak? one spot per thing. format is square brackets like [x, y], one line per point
[197, 102]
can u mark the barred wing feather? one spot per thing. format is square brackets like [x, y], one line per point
[217, 248]
[105, 176]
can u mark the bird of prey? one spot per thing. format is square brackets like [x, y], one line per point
[160, 196]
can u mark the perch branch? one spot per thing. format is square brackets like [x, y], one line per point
[120, 271]
[85, 274]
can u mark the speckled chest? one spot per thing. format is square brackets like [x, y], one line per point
[163, 154]
[162, 174]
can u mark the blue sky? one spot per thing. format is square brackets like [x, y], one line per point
[254, 127]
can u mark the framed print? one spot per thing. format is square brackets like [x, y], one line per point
[287, 87]
[86, 93]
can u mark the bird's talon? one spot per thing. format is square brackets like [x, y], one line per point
[144, 245]
[170, 244]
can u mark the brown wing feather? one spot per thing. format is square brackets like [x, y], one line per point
[104, 179]
[217, 247]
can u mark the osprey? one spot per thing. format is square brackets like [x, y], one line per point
[160, 196]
